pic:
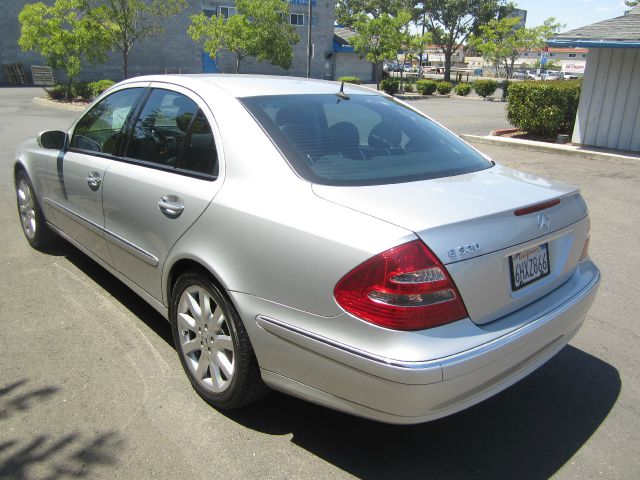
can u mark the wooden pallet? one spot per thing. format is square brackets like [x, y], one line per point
[14, 72]
[42, 75]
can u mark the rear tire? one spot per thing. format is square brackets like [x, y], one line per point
[212, 344]
[34, 225]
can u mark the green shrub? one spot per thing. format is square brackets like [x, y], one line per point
[355, 80]
[390, 86]
[100, 86]
[426, 87]
[484, 88]
[504, 85]
[409, 88]
[81, 90]
[57, 92]
[543, 108]
[444, 88]
[463, 89]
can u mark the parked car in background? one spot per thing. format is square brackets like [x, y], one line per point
[392, 67]
[324, 240]
[525, 75]
[551, 75]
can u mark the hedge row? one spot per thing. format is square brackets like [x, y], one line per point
[355, 80]
[80, 90]
[543, 108]
[484, 88]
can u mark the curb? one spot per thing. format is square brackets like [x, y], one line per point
[45, 102]
[533, 146]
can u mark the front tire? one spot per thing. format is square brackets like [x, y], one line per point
[212, 344]
[34, 225]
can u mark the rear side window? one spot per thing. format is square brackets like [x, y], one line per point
[365, 140]
[100, 129]
[172, 131]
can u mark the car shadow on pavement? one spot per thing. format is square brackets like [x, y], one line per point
[70, 455]
[528, 431]
[118, 290]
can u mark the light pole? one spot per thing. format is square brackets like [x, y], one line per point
[309, 46]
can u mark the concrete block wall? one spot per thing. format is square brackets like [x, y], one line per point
[174, 51]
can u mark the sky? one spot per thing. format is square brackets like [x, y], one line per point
[572, 13]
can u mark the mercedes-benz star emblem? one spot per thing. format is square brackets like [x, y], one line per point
[543, 222]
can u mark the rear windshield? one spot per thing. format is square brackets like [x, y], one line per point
[365, 140]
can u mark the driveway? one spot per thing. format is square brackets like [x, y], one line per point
[90, 384]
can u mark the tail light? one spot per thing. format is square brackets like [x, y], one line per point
[403, 288]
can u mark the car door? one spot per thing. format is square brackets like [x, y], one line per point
[75, 187]
[168, 175]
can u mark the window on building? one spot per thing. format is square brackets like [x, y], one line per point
[584, 55]
[296, 19]
[552, 54]
[226, 12]
[210, 11]
[572, 55]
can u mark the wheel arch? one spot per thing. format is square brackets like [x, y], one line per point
[18, 167]
[186, 264]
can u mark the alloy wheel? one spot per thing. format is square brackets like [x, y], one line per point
[205, 339]
[26, 206]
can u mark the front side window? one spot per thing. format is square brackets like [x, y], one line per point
[173, 132]
[365, 140]
[101, 128]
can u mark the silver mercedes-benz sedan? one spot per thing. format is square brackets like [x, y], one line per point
[324, 240]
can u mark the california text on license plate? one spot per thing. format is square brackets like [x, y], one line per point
[529, 265]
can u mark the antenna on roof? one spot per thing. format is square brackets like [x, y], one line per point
[341, 95]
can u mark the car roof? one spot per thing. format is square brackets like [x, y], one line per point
[255, 85]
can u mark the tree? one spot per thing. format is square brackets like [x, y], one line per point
[125, 22]
[63, 35]
[349, 11]
[380, 38]
[452, 21]
[414, 45]
[259, 29]
[500, 42]
[632, 4]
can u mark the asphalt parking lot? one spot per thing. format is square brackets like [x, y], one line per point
[91, 386]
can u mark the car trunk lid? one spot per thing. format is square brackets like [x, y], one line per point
[469, 222]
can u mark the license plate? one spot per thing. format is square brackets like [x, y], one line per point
[529, 265]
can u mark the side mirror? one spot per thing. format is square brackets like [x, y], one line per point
[53, 139]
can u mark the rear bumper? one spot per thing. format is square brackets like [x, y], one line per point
[342, 377]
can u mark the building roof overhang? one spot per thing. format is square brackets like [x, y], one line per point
[619, 32]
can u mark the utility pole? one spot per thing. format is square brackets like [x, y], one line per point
[309, 45]
[424, 21]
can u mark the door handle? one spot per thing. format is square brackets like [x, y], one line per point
[171, 206]
[94, 180]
